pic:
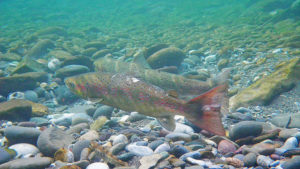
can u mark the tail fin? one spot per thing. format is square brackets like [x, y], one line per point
[205, 110]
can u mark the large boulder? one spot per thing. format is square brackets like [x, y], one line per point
[166, 57]
[264, 90]
[15, 110]
[28, 81]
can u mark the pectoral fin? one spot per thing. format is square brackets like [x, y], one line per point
[167, 122]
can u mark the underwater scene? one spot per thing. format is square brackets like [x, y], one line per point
[149, 84]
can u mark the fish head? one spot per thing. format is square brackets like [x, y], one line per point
[76, 86]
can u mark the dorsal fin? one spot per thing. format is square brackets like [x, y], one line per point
[139, 59]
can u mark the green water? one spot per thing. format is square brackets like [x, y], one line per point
[187, 24]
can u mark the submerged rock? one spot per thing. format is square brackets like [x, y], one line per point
[71, 70]
[244, 129]
[28, 163]
[29, 65]
[16, 134]
[264, 90]
[18, 110]
[28, 80]
[40, 48]
[166, 57]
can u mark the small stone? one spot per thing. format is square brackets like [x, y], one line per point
[4, 156]
[78, 147]
[287, 133]
[54, 64]
[193, 154]
[177, 162]
[71, 70]
[15, 110]
[222, 63]
[149, 161]
[24, 163]
[126, 156]
[178, 150]
[226, 146]
[194, 167]
[77, 128]
[80, 118]
[98, 165]
[139, 150]
[244, 129]
[64, 155]
[134, 116]
[95, 44]
[182, 128]
[100, 53]
[234, 162]
[103, 111]
[263, 148]
[121, 138]
[293, 163]
[117, 148]
[90, 135]
[250, 160]
[40, 48]
[290, 143]
[179, 136]
[16, 134]
[24, 150]
[31, 96]
[99, 123]
[264, 161]
[162, 148]
[52, 139]
[154, 144]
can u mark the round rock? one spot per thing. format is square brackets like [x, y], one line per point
[52, 139]
[97, 166]
[16, 134]
[103, 111]
[244, 129]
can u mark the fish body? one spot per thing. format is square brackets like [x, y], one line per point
[164, 80]
[129, 93]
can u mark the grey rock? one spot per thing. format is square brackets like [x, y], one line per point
[103, 111]
[40, 49]
[154, 144]
[15, 110]
[179, 136]
[264, 161]
[16, 134]
[293, 163]
[139, 150]
[80, 118]
[162, 148]
[28, 163]
[136, 117]
[117, 148]
[53, 139]
[245, 129]
[288, 121]
[287, 133]
[121, 138]
[250, 160]
[31, 95]
[71, 70]
[78, 147]
[77, 128]
[4, 156]
[178, 150]
[39, 121]
[97, 165]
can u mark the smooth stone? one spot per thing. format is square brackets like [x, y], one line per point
[95, 44]
[243, 110]
[126, 156]
[71, 70]
[24, 150]
[100, 53]
[182, 128]
[193, 154]
[52, 139]
[77, 128]
[91, 135]
[27, 124]
[139, 150]
[97, 165]
[287, 133]
[54, 64]
[29, 65]
[263, 148]
[99, 123]
[194, 167]
[264, 161]
[287, 121]
[134, 116]
[103, 111]
[16, 134]
[15, 110]
[226, 146]
[39, 121]
[154, 144]
[28, 80]
[117, 148]
[121, 138]
[178, 150]
[163, 147]
[179, 136]
[80, 118]
[239, 156]
[78, 147]
[4, 156]
[52, 30]
[290, 143]
[245, 128]
[293, 163]
[149, 161]
[31, 96]
[166, 57]
[40, 48]
[250, 160]
[28, 163]
[64, 95]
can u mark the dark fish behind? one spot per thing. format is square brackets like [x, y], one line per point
[129, 93]
[164, 80]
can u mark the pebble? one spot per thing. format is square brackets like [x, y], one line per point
[290, 143]
[16, 134]
[78, 147]
[264, 161]
[103, 111]
[193, 154]
[25, 150]
[117, 148]
[149, 161]
[90, 135]
[226, 146]
[182, 128]
[54, 64]
[52, 139]
[154, 144]
[139, 150]
[293, 163]
[31, 96]
[178, 150]
[80, 118]
[244, 129]
[4, 156]
[121, 138]
[97, 165]
[162, 148]
[250, 160]
[178, 136]
[24, 163]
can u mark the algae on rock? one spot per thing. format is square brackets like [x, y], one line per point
[264, 90]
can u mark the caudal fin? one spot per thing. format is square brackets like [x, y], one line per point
[205, 110]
